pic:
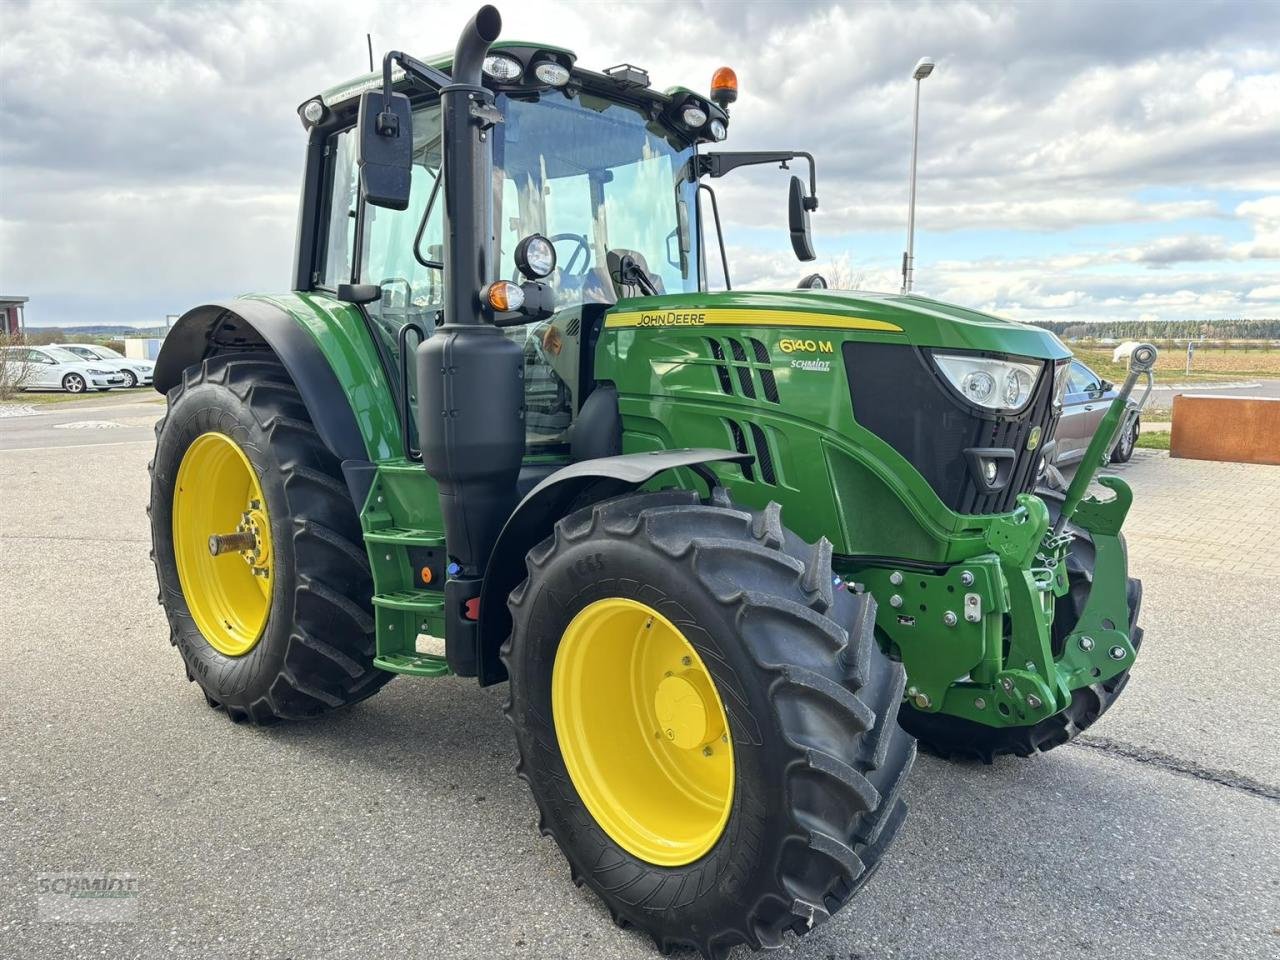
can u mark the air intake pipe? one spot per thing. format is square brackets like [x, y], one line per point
[470, 376]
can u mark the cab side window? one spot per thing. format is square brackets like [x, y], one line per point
[401, 249]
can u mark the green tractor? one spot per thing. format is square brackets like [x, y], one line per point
[733, 552]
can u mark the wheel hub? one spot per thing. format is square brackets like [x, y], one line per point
[685, 718]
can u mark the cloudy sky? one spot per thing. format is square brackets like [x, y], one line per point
[1078, 160]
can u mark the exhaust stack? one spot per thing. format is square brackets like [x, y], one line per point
[470, 376]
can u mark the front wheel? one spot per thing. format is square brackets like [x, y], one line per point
[706, 724]
[130, 379]
[74, 383]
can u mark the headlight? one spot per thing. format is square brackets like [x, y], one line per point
[100, 373]
[718, 130]
[987, 382]
[502, 68]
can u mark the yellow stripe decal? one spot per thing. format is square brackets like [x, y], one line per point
[745, 318]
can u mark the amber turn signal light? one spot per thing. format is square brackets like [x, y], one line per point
[503, 296]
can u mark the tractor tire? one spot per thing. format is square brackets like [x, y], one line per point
[816, 760]
[314, 650]
[957, 738]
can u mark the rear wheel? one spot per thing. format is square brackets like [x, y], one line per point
[706, 725]
[74, 383]
[257, 547]
[130, 379]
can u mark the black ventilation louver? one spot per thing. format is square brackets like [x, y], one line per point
[759, 448]
[740, 444]
[766, 372]
[722, 371]
[736, 360]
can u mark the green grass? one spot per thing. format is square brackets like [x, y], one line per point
[1209, 365]
[1153, 441]
[38, 398]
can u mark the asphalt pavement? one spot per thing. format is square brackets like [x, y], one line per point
[398, 828]
[1162, 396]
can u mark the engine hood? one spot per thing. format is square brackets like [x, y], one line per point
[918, 320]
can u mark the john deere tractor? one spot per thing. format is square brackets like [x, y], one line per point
[732, 551]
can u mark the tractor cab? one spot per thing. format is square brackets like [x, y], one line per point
[603, 172]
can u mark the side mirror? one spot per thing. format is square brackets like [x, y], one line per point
[1105, 385]
[384, 152]
[798, 220]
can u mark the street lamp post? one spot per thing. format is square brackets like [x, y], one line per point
[923, 68]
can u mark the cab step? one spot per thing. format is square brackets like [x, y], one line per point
[413, 664]
[405, 537]
[412, 601]
[400, 617]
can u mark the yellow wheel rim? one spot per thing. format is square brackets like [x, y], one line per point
[643, 732]
[222, 544]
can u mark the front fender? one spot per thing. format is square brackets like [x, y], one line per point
[566, 490]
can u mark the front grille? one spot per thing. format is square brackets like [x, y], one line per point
[899, 396]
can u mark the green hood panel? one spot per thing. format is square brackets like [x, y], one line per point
[919, 321]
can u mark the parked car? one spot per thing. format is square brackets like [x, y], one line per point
[137, 373]
[1087, 400]
[52, 368]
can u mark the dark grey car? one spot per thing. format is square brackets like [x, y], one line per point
[1087, 400]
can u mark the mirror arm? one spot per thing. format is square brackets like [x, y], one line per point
[420, 74]
[718, 163]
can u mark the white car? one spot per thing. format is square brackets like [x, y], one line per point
[137, 373]
[52, 368]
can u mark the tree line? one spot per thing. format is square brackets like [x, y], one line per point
[1223, 329]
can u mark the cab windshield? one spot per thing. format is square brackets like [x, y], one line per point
[595, 177]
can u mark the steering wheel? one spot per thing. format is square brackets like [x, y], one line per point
[582, 248]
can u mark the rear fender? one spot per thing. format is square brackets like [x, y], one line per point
[566, 490]
[329, 355]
